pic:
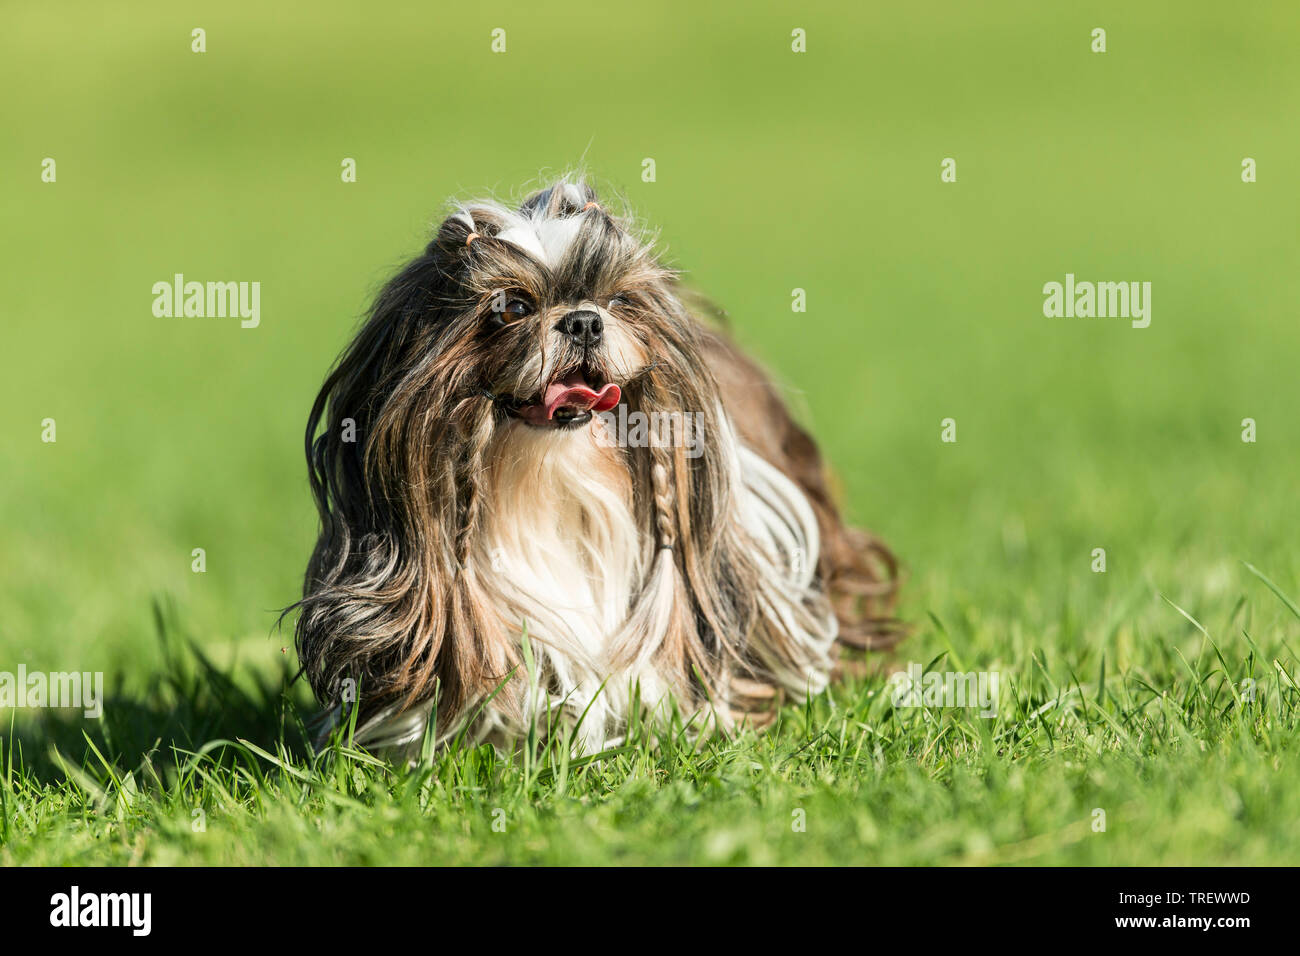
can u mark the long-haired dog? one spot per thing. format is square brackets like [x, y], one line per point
[498, 548]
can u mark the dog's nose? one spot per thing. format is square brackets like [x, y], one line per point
[583, 327]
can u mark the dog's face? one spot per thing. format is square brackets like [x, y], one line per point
[561, 344]
[563, 311]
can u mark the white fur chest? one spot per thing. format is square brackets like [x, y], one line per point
[561, 558]
[561, 555]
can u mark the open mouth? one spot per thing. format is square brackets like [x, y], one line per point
[569, 401]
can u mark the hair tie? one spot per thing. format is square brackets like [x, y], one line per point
[590, 205]
[471, 237]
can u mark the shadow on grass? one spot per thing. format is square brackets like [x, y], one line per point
[189, 702]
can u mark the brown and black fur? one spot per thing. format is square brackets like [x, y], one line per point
[396, 597]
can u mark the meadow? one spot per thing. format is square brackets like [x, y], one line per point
[1161, 691]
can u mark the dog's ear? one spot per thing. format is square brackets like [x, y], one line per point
[362, 611]
[395, 446]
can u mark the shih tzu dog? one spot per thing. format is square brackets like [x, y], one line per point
[551, 492]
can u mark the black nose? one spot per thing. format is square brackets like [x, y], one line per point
[583, 327]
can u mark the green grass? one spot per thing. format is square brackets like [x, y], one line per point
[775, 171]
[1185, 770]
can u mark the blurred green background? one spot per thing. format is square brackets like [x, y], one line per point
[775, 170]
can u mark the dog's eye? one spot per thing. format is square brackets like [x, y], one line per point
[513, 311]
[620, 300]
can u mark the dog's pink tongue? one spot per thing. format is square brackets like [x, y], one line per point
[574, 390]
